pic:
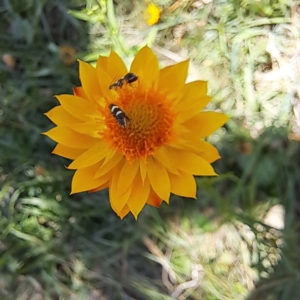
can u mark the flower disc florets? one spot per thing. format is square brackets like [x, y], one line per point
[149, 125]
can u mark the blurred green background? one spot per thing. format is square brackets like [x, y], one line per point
[238, 240]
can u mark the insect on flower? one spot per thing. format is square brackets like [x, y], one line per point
[128, 78]
[119, 115]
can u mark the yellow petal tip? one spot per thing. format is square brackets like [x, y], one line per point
[135, 215]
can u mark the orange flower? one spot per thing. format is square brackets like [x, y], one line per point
[9, 60]
[67, 54]
[141, 136]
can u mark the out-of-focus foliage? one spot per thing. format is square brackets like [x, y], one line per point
[57, 246]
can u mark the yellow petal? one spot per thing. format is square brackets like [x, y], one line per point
[183, 185]
[127, 175]
[153, 199]
[113, 66]
[102, 63]
[191, 163]
[206, 150]
[117, 200]
[193, 110]
[205, 123]
[106, 167]
[186, 135]
[92, 129]
[201, 148]
[199, 88]
[70, 138]
[181, 130]
[105, 81]
[123, 199]
[172, 78]
[124, 212]
[78, 107]
[159, 178]
[163, 156]
[116, 68]
[59, 116]
[109, 156]
[83, 179]
[79, 92]
[145, 66]
[90, 157]
[143, 169]
[67, 152]
[100, 188]
[199, 104]
[139, 195]
[194, 96]
[89, 81]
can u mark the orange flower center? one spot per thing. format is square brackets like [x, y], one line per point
[146, 125]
